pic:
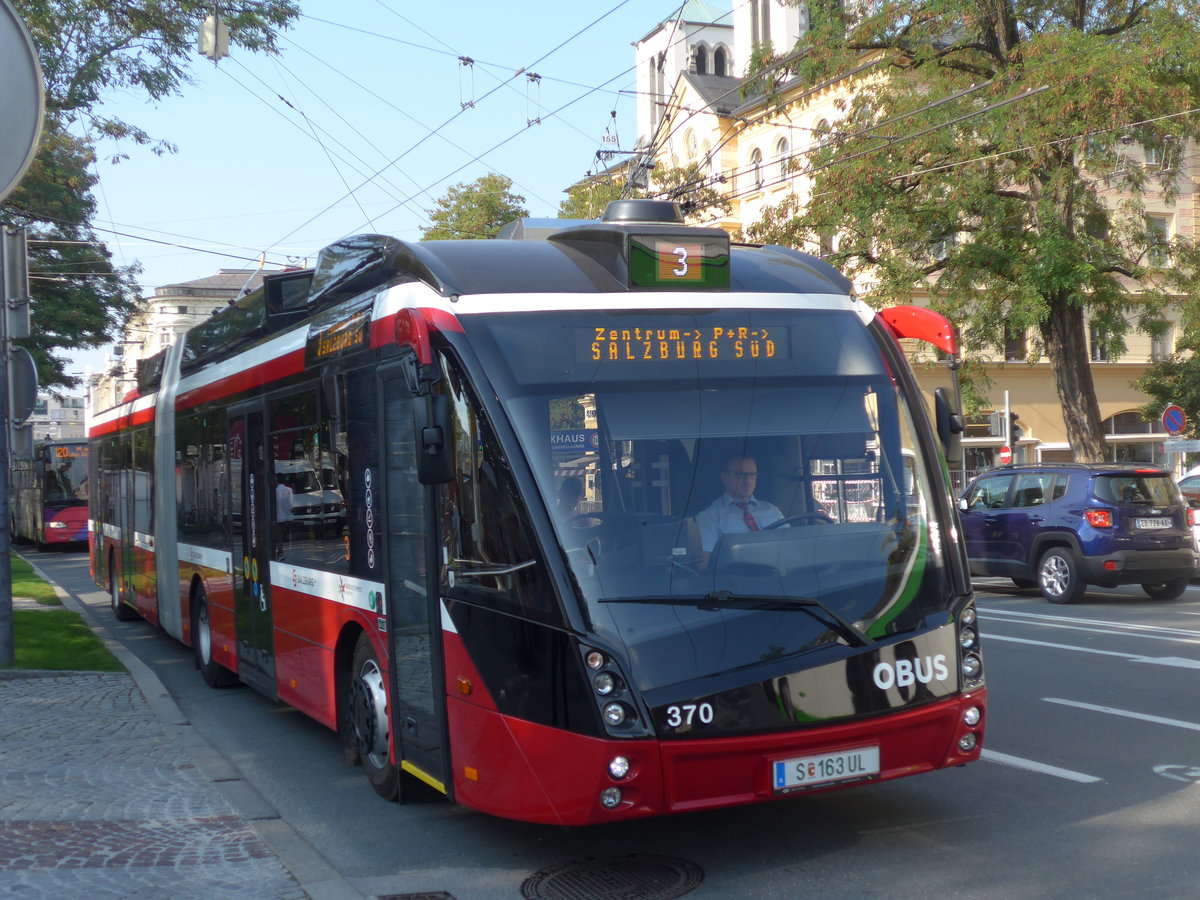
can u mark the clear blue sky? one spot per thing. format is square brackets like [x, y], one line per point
[380, 84]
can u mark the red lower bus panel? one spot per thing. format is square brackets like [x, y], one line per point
[512, 768]
[304, 675]
[145, 594]
[519, 766]
[730, 771]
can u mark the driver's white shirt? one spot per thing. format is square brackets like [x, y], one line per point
[723, 516]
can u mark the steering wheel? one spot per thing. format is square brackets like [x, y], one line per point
[811, 517]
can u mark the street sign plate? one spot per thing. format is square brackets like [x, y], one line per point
[1181, 446]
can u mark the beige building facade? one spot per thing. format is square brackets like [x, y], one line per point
[691, 113]
[160, 321]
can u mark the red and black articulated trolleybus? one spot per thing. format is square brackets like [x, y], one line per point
[473, 504]
[48, 503]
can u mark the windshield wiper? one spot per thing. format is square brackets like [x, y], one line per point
[715, 600]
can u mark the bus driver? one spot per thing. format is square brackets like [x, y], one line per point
[736, 511]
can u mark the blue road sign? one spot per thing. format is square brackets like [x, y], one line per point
[1174, 419]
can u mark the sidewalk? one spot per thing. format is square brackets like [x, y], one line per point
[106, 791]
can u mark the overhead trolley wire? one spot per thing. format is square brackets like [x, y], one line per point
[456, 115]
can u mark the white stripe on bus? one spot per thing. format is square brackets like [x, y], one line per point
[355, 592]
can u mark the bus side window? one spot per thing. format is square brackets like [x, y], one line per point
[491, 554]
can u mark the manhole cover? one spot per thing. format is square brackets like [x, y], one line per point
[630, 877]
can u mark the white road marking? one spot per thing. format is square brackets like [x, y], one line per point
[1128, 714]
[1029, 765]
[1161, 632]
[988, 638]
[1189, 774]
[1178, 662]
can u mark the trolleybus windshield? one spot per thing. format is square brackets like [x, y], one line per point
[635, 425]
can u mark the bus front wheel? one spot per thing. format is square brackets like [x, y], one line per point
[368, 717]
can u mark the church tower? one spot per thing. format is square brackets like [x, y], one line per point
[698, 40]
[760, 23]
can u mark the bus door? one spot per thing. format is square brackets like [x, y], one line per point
[414, 608]
[251, 509]
[124, 504]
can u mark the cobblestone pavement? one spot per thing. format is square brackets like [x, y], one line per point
[98, 801]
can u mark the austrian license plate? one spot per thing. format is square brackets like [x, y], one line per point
[803, 772]
[1151, 523]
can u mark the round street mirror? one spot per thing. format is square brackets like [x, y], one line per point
[22, 385]
[22, 99]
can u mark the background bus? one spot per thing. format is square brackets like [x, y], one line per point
[49, 498]
[531, 608]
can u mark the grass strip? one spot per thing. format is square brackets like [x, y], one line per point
[25, 583]
[58, 639]
[54, 639]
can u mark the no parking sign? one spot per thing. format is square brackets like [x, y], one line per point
[1174, 419]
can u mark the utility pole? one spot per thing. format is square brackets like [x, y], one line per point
[1008, 427]
[18, 390]
[7, 644]
[24, 105]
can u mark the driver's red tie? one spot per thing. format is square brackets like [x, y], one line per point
[747, 516]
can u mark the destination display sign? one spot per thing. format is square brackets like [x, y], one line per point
[709, 342]
[70, 451]
[339, 335]
[576, 347]
[688, 263]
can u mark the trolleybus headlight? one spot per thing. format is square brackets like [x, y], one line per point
[594, 659]
[610, 798]
[614, 714]
[967, 616]
[971, 716]
[618, 767]
[972, 666]
[967, 742]
[57, 524]
[604, 683]
[968, 638]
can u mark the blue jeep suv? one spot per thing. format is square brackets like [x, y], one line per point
[1060, 527]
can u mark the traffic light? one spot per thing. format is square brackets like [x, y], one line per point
[996, 423]
[1015, 430]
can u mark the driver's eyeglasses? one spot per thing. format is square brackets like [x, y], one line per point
[737, 474]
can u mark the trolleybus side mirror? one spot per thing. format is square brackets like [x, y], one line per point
[435, 457]
[949, 425]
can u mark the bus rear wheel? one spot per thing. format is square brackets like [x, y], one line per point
[214, 674]
[368, 718]
[121, 611]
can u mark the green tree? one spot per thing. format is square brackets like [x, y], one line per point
[475, 210]
[89, 51]
[565, 414]
[978, 153]
[1175, 380]
[688, 185]
[79, 299]
[587, 199]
